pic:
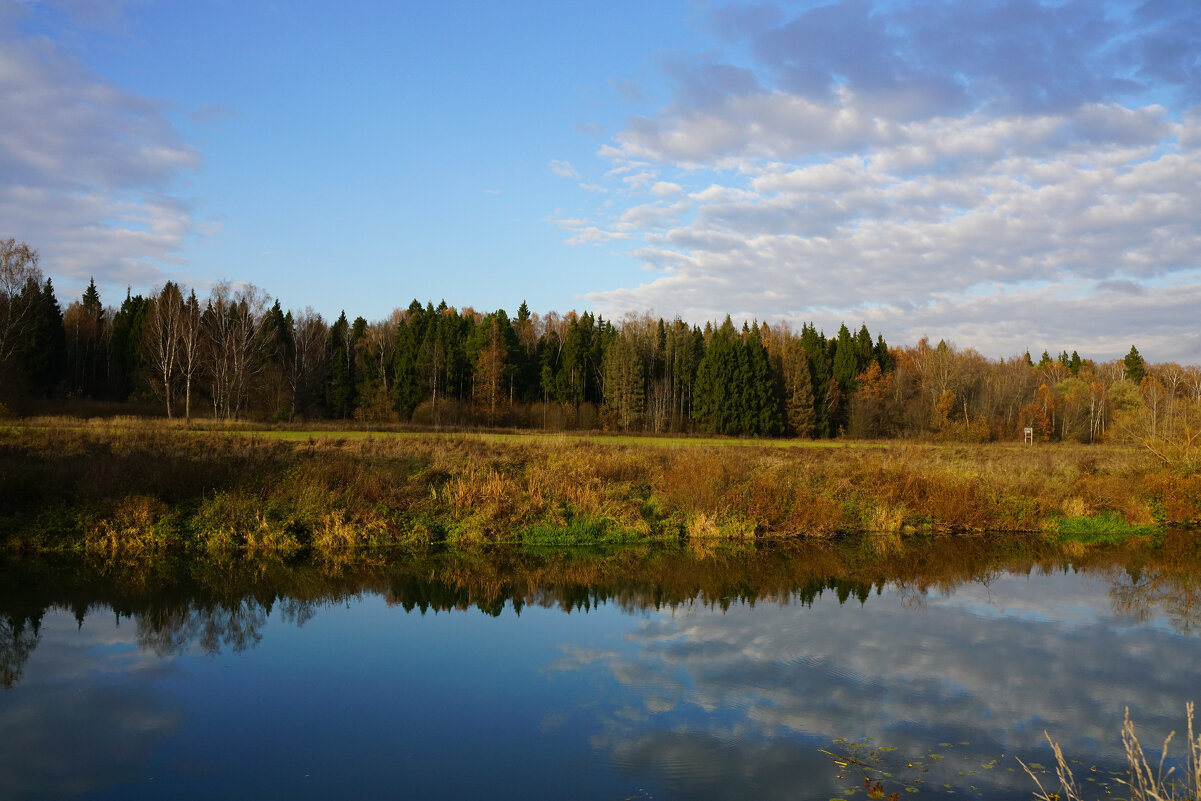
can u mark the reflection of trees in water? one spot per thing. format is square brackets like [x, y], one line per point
[168, 630]
[18, 638]
[1146, 594]
[447, 592]
[224, 604]
[1169, 584]
[296, 611]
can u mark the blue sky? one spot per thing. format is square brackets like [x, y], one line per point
[1007, 175]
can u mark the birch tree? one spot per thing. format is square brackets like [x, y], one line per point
[162, 335]
[18, 267]
[191, 340]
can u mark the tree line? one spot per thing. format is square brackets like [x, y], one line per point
[234, 354]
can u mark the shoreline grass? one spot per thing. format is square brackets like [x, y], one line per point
[134, 485]
[1146, 780]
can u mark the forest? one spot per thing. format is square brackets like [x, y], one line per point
[236, 355]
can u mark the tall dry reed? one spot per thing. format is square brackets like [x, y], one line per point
[1147, 781]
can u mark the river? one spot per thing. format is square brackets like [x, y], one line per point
[718, 674]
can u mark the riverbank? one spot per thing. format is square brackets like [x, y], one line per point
[144, 486]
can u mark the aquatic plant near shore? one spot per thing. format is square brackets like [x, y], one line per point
[1146, 782]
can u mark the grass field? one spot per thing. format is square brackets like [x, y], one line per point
[295, 433]
[129, 484]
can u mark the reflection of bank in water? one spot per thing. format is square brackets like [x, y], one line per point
[222, 603]
[718, 670]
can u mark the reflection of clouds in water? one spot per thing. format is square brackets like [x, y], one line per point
[993, 666]
[82, 718]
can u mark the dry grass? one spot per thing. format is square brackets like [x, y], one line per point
[150, 483]
[1147, 782]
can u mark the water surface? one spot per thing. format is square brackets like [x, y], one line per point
[613, 676]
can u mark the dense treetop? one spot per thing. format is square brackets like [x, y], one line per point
[235, 354]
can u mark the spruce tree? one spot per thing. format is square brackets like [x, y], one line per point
[766, 407]
[125, 347]
[1136, 368]
[817, 349]
[717, 403]
[45, 351]
[846, 361]
[881, 355]
[798, 390]
[341, 392]
[406, 372]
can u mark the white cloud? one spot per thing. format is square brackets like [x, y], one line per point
[88, 170]
[642, 218]
[563, 169]
[592, 235]
[640, 180]
[920, 165]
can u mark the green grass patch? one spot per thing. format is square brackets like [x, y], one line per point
[542, 438]
[581, 530]
[1107, 527]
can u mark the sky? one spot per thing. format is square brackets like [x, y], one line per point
[1002, 174]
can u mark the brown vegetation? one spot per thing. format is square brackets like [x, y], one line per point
[1146, 782]
[150, 486]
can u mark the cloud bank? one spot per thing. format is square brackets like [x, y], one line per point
[87, 170]
[1003, 174]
